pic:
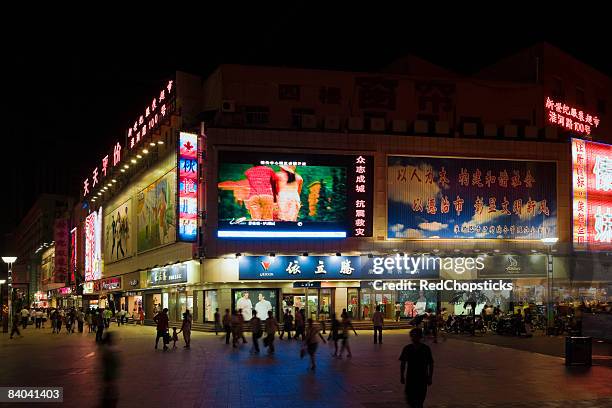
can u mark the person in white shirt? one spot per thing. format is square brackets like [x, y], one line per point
[245, 304]
[263, 306]
[25, 315]
[38, 318]
[378, 322]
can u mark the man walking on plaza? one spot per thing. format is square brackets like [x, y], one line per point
[217, 321]
[416, 369]
[377, 322]
[161, 319]
[271, 329]
[255, 331]
[227, 325]
[25, 315]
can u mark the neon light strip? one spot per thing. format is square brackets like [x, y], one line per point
[281, 234]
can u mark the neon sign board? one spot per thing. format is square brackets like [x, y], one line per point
[592, 195]
[93, 244]
[61, 250]
[570, 118]
[188, 187]
[155, 113]
[73, 254]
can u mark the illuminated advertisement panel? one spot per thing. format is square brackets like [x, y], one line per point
[73, 254]
[592, 195]
[93, 245]
[117, 230]
[156, 213]
[188, 187]
[450, 198]
[60, 237]
[277, 195]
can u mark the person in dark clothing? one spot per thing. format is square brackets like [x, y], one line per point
[15, 328]
[227, 325]
[256, 332]
[161, 319]
[416, 369]
[110, 372]
[99, 320]
[217, 321]
[287, 324]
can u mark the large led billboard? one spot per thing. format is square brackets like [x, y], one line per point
[93, 245]
[450, 198]
[592, 195]
[117, 233]
[284, 195]
[156, 213]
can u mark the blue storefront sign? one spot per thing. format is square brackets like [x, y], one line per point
[298, 268]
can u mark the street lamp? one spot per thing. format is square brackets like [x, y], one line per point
[549, 242]
[10, 260]
[4, 329]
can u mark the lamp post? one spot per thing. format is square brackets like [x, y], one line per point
[10, 260]
[550, 316]
[4, 326]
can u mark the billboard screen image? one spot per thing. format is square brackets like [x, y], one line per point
[260, 300]
[443, 197]
[156, 213]
[117, 230]
[188, 187]
[592, 195]
[290, 195]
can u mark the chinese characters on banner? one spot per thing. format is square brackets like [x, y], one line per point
[156, 113]
[360, 203]
[570, 118]
[93, 246]
[470, 198]
[592, 195]
[60, 237]
[73, 254]
[188, 187]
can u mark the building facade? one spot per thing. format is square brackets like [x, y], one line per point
[265, 189]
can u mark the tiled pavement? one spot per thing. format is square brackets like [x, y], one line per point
[467, 374]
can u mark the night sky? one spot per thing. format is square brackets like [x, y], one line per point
[72, 92]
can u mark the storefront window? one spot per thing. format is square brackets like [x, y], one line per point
[313, 304]
[326, 304]
[210, 305]
[352, 307]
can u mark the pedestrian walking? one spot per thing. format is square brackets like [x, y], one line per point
[161, 320]
[39, 316]
[398, 311]
[45, 316]
[346, 325]
[186, 328]
[287, 324]
[227, 325]
[378, 323]
[299, 324]
[15, 328]
[416, 369]
[69, 323]
[107, 313]
[25, 315]
[54, 317]
[60, 320]
[235, 328]
[174, 337]
[311, 341]
[334, 333]
[256, 332]
[99, 322]
[80, 318]
[141, 316]
[110, 371]
[217, 321]
[89, 316]
[271, 328]
[241, 327]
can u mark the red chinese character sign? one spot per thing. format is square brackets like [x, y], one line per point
[592, 195]
[60, 236]
[73, 254]
[432, 197]
[188, 187]
[93, 245]
[570, 118]
[156, 113]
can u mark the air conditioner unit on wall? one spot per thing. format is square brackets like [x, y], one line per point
[332, 123]
[309, 122]
[228, 106]
[355, 123]
[377, 124]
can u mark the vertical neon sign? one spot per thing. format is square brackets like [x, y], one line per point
[73, 255]
[188, 187]
[93, 246]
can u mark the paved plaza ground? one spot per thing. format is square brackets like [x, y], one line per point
[468, 373]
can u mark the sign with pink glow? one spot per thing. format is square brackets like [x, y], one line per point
[592, 195]
[156, 113]
[93, 246]
[60, 236]
[570, 118]
[188, 187]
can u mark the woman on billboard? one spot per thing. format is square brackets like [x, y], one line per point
[289, 187]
